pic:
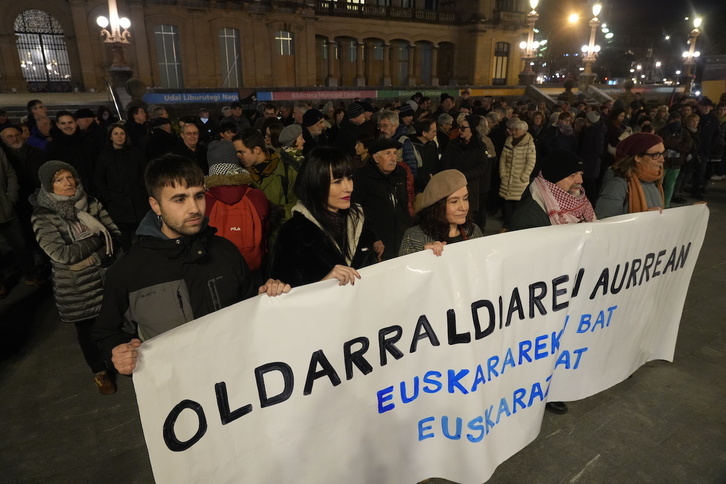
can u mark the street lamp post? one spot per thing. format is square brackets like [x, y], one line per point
[690, 56]
[588, 76]
[529, 48]
[116, 36]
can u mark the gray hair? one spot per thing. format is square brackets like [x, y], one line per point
[444, 119]
[519, 125]
[390, 116]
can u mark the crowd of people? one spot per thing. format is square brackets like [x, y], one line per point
[152, 222]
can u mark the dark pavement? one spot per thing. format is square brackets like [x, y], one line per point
[665, 424]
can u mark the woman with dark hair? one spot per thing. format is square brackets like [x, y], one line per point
[76, 233]
[120, 182]
[271, 129]
[444, 216]
[326, 238]
[468, 154]
[335, 123]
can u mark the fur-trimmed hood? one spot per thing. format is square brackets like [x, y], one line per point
[229, 188]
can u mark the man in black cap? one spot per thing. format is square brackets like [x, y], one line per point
[445, 106]
[313, 127]
[351, 128]
[380, 188]
[161, 140]
[555, 196]
[94, 136]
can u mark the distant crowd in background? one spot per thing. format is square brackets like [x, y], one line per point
[405, 176]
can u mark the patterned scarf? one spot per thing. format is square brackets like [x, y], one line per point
[561, 207]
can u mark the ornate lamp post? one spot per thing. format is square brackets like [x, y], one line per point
[588, 77]
[529, 48]
[690, 56]
[116, 36]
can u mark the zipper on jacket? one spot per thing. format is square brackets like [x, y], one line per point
[181, 304]
[212, 285]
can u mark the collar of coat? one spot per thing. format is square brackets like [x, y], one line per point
[354, 227]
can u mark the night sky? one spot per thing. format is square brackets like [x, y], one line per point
[639, 22]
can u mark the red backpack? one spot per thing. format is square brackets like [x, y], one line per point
[240, 223]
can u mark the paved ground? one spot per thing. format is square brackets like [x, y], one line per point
[666, 424]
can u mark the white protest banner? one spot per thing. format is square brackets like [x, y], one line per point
[428, 366]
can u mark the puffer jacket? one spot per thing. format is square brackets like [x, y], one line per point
[515, 166]
[77, 266]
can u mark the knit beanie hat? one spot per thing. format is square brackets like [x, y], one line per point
[441, 185]
[559, 164]
[406, 110]
[311, 117]
[473, 120]
[593, 117]
[48, 170]
[674, 115]
[84, 113]
[636, 144]
[354, 110]
[160, 121]
[289, 134]
[225, 169]
[221, 151]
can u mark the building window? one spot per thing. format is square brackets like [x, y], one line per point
[42, 51]
[283, 42]
[501, 61]
[230, 55]
[407, 3]
[506, 6]
[352, 51]
[377, 50]
[168, 55]
[431, 5]
[383, 3]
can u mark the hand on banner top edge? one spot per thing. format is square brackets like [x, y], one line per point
[343, 274]
[437, 247]
[273, 287]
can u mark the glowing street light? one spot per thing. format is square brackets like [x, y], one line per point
[529, 48]
[591, 49]
[115, 36]
[690, 56]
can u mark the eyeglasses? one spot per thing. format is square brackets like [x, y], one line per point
[464, 127]
[655, 155]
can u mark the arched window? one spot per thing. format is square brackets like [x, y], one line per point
[42, 51]
[168, 55]
[230, 57]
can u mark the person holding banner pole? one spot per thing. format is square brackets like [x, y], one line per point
[327, 236]
[178, 271]
[443, 217]
[635, 181]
